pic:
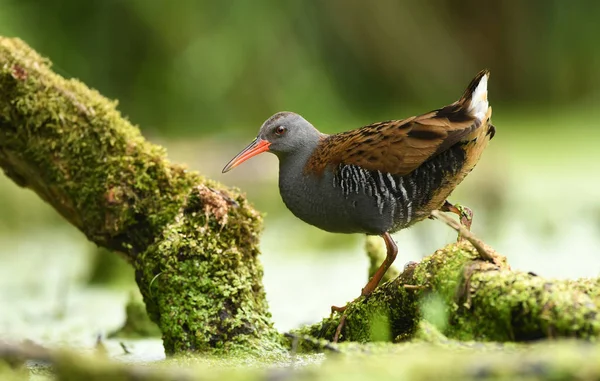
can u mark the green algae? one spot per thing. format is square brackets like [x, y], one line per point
[193, 243]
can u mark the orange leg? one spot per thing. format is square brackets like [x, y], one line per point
[392, 251]
[465, 214]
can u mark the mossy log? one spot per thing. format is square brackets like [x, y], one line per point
[470, 299]
[193, 243]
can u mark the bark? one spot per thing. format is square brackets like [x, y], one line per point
[193, 243]
[468, 298]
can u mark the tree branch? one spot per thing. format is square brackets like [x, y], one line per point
[470, 299]
[193, 243]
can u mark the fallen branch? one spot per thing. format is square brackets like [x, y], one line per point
[193, 243]
[473, 299]
[466, 234]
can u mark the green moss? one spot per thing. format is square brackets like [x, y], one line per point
[212, 286]
[380, 361]
[514, 306]
[466, 298]
[589, 286]
[560, 361]
[193, 243]
[443, 270]
[401, 306]
[485, 301]
[391, 312]
[72, 147]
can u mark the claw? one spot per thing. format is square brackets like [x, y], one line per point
[338, 309]
[465, 214]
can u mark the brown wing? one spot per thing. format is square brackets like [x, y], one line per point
[398, 146]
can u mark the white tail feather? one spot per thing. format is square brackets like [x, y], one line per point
[479, 104]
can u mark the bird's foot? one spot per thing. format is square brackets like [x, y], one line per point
[465, 214]
[338, 309]
[485, 252]
[342, 311]
[466, 218]
[392, 251]
[338, 330]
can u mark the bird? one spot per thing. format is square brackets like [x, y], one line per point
[379, 178]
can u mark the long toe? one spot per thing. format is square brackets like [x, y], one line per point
[466, 217]
[338, 330]
[338, 309]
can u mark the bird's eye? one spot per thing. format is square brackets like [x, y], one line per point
[280, 130]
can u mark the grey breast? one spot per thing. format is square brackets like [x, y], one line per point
[346, 199]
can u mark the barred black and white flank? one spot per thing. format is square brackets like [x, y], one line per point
[398, 198]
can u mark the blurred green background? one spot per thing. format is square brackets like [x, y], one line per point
[200, 77]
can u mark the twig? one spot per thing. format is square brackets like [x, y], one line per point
[338, 330]
[124, 347]
[414, 287]
[465, 233]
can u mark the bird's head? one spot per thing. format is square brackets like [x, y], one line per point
[283, 134]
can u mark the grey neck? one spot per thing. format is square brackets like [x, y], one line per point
[299, 191]
[292, 164]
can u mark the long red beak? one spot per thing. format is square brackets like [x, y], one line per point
[253, 149]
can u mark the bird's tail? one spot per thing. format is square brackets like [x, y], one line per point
[475, 97]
